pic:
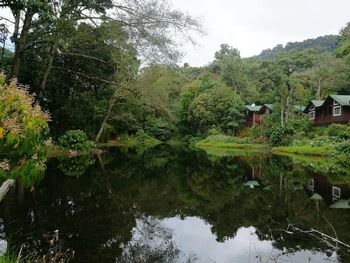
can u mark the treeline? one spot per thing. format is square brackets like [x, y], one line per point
[181, 101]
[109, 68]
[81, 58]
[321, 44]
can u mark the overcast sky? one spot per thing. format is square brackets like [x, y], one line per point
[254, 25]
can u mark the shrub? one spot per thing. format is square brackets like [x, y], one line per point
[300, 124]
[344, 148]
[23, 127]
[339, 131]
[76, 140]
[23, 133]
[159, 129]
[143, 137]
[280, 135]
[214, 131]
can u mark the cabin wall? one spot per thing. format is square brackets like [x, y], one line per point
[249, 119]
[324, 116]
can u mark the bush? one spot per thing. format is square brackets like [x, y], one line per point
[159, 129]
[23, 127]
[300, 124]
[143, 137]
[214, 131]
[344, 148]
[23, 133]
[76, 140]
[339, 131]
[281, 135]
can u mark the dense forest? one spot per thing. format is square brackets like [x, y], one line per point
[120, 76]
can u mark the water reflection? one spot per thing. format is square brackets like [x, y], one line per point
[179, 205]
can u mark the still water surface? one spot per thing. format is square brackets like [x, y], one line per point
[169, 204]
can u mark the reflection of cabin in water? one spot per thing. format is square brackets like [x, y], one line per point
[319, 185]
[252, 175]
[335, 109]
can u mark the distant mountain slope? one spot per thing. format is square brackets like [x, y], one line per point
[324, 43]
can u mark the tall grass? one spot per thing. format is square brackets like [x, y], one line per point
[10, 258]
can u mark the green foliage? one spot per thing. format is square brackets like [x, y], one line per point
[221, 138]
[76, 140]
[201, 112]
[159, 129]
[76, 166]
[280, 135]
[344, 148]
[23, 133]
[23, 127]
[343, 49]
[305, 150]
[339, 131]
[214, 131]
[324, 43]
[300, 124]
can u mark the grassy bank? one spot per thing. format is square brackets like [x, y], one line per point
[305, 150]
[130, 141]
[229, 142]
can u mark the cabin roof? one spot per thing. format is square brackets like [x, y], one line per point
[317, 103]
[269, 106]
[299, 108]
[253, 108]
[266, 106]
[343, 100]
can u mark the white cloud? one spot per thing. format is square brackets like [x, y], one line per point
[254, 25]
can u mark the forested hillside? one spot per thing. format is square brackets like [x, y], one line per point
[321, 44]
[114, 77]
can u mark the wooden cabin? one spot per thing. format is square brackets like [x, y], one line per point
[335, 109]
[252, 115]
[314, 110]
[266, 109]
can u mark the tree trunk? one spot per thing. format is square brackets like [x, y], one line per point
[287, 105]
[282, 113]
[318, 94]
[47, 71]
[21, 44]
[108, 114]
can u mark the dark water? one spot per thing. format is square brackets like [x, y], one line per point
[179, 205]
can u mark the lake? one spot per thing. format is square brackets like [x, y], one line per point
[176, 204]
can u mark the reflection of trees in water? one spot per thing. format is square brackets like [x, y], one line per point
[151, 242]
[76, 166]
[166, 182]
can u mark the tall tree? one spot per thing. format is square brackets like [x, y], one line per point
[289, 64]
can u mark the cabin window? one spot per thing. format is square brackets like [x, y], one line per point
[335, 103]
[336, 192]
[312, 107]
[337, 111]
[311, 115]
[311, 184]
